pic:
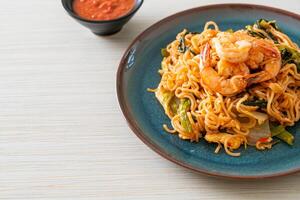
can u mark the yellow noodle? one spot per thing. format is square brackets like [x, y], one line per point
[168, 129]
[212, 113]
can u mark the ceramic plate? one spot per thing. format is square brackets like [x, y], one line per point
[138, 71]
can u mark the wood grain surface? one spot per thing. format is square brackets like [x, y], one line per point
[62, 134]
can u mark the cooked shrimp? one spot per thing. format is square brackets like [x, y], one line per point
[254, 59]
[228, 69]
[232, 47]
[270, 64]
[212, 80]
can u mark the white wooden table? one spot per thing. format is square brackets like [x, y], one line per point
[62, 134]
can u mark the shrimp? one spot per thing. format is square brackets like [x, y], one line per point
[212, 80]
[232, 47]
[270, 64]
[255, 57]
[228, 69]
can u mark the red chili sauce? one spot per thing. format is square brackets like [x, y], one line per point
[102, 9]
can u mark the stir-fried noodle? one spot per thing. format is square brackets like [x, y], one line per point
[227, 86]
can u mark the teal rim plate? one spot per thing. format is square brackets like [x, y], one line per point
[145, 116]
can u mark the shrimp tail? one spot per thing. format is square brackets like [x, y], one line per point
[271, 65]
[267, 48]
[204, 57]
[254, 78]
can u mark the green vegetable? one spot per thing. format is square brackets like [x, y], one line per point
[164, 97]
[174, 105]
[254, 33]
[164, 52]
[229, 30]
[184, 105]
[264, 27]
[259, 103]
[168, 100]
[167, 97]
[289, 55]
[182, 47]
[276, 130]
[265, 24]
[282, 134]
[286, 137]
